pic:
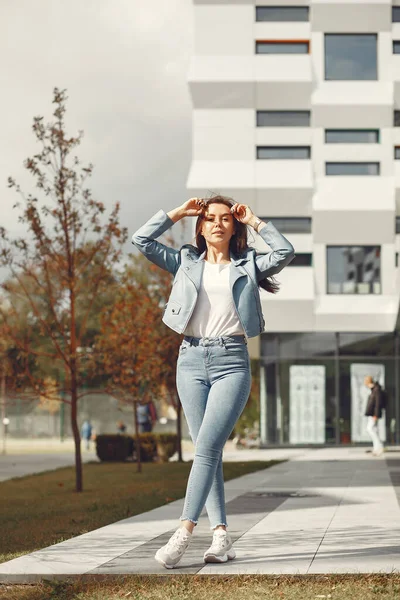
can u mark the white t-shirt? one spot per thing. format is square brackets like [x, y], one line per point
[214, 314]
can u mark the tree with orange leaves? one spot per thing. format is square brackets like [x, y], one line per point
[135, 350]
[59, 266]
[158, 283]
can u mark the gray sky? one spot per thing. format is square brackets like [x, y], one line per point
[124, 64]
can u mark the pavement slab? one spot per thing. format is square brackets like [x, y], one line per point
[328, 510]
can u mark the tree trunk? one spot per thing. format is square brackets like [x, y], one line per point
[74, 399]
[76, 434]
[137, 439]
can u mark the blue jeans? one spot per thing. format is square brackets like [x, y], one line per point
[213, 381]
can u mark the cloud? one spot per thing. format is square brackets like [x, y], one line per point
[124, 64]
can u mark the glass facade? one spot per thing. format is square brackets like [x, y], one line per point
[314, 391]
[351, 57]
[283, 152]
[290, 224]
[282, 47]
[351, 136]
[353, 269]
[357, 169]
[282, 13]
[301, 259]
[283, 118]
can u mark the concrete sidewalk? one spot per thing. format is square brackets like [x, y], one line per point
[27, 457]
[324, 511]
[20, 465]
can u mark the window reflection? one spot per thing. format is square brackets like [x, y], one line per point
[283, 152]
[282, 13]
[350, 168]
[354, 269]
[290, 224]
[283, 118]
[366, 344]
[351, 57]
[351, 136]
[293, 345]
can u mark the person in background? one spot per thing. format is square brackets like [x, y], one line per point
[86, 432]
[374, 413]
[147, 417]
[121, 427]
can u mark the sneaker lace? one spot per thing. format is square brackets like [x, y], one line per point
[176, 543]
[218, 543]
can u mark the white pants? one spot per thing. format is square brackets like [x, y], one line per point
[372, 428]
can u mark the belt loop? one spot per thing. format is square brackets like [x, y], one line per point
[191, 341]
[222, 340]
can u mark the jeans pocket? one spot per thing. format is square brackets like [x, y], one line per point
[183, 348]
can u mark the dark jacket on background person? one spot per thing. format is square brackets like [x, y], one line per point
[375, 402]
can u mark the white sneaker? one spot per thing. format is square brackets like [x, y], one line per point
[377, 452]
[169, 555]
[221, 549]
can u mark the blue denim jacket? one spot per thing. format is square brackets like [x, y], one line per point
[187, 266]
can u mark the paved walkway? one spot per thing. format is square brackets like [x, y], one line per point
[26, 457]
[324, 511]
[19, 465]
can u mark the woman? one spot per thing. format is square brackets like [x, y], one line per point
[215, 303]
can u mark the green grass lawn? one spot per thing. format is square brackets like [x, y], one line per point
[197, 587]
[41, 510]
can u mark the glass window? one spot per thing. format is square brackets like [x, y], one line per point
[303, 377]
[354, 269]
[352, 136]
[283, 152]
[283, 118]
[396, 14]
[290, 224]
[301, 260]
[294, 345]
[282, 47]
[397, 224]
[351, 57]
[282, 13]
[396, 118]
[362, 168]
[370, 344]
[269, 345]
[397, 152]
[305, 401]
[396, 46]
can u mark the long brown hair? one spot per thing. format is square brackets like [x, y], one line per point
[238, 242]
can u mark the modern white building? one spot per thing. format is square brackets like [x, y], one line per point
[296, 112]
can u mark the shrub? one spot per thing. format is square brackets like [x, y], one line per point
[114, 447]
[118, 447]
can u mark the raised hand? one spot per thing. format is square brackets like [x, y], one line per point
[242, 213]
[193, 207]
